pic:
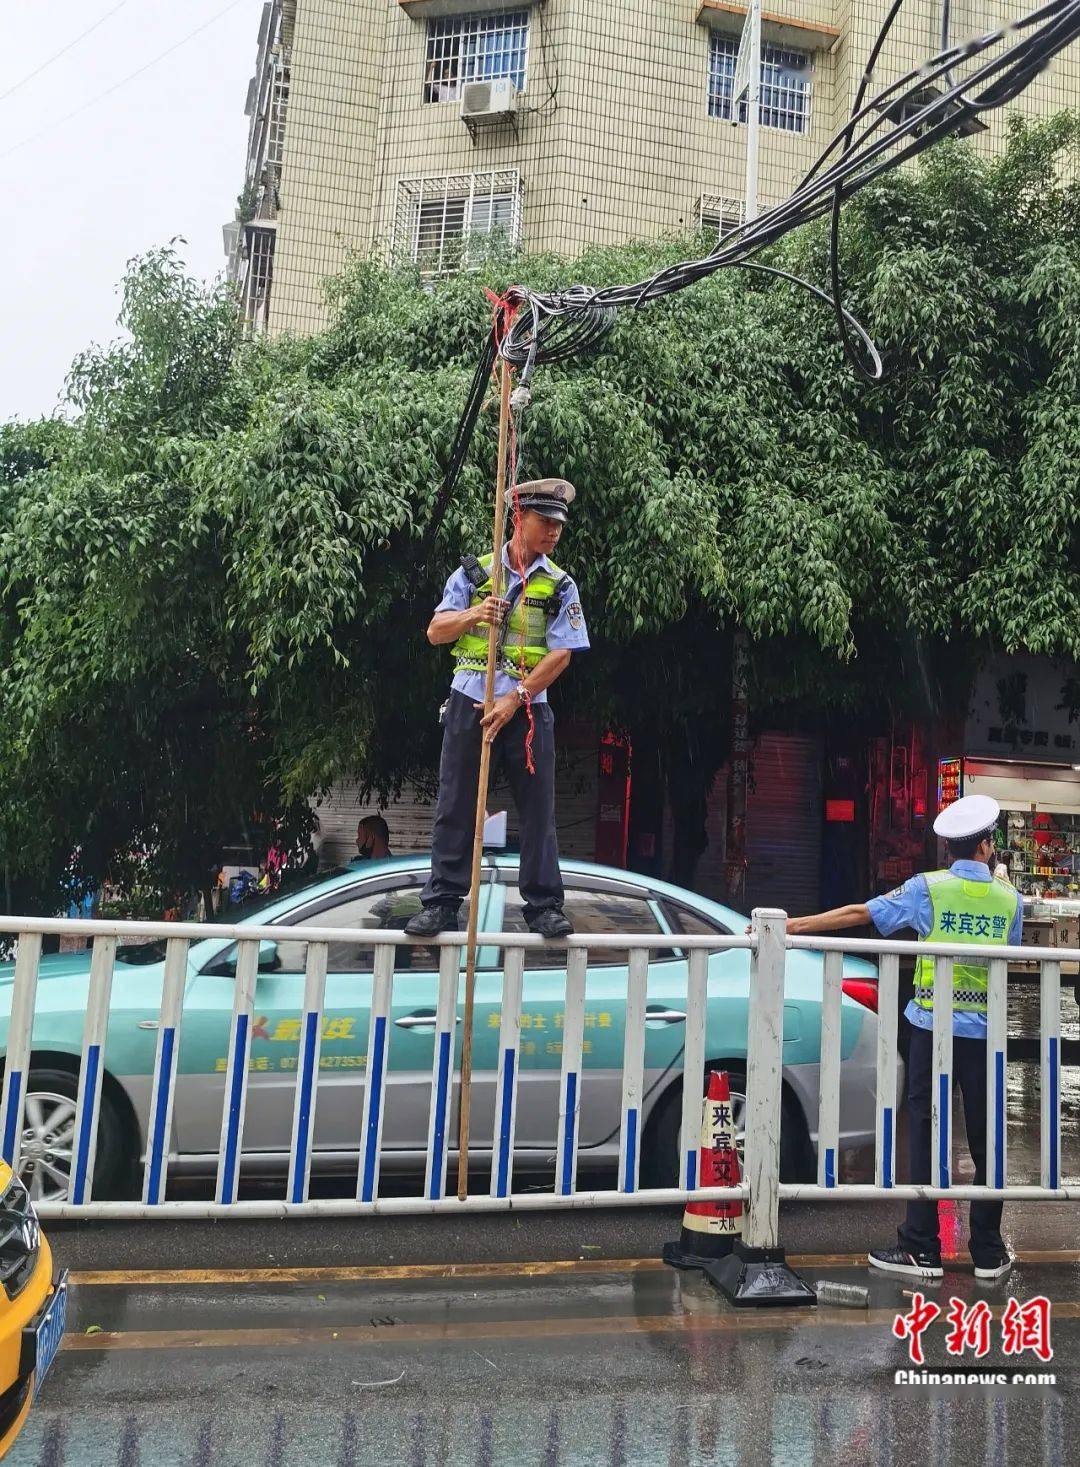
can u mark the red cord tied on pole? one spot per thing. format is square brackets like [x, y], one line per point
[503, 310]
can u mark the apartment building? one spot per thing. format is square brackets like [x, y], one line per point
[418, 127]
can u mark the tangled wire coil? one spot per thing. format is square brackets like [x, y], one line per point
[903, 119]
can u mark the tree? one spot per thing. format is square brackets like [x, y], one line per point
[210, 601]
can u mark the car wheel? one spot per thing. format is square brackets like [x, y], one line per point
[660, 1150]
[48, 1139]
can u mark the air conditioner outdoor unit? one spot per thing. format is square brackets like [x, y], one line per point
[488, 101]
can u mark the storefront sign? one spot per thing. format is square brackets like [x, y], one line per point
[1026, 706]
[950, 782]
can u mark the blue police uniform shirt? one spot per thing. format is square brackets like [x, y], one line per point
[910, 906]
[566, 629]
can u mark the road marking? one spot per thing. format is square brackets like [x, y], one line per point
[502, 1329]
[378, 1273]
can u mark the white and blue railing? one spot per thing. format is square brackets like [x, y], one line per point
[768, 945]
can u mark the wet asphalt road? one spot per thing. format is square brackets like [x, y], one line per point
[612, 1366]
[543, 1339]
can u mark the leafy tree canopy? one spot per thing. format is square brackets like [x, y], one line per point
[212, 590]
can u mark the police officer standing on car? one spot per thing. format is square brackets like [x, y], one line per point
[539, 624]
[961, 905]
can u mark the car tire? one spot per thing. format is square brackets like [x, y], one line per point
[49, 1111]
[660, 1147]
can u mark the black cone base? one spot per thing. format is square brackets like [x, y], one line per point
[697, 1250]
[758, 1277]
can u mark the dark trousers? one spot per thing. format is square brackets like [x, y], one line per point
[920, 1230]
[539, 881]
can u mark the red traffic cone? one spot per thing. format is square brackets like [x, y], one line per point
[709, 1229]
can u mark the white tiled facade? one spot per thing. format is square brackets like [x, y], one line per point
[613, 139]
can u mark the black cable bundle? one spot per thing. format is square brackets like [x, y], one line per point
[878, 136]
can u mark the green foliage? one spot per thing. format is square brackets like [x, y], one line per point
[211, 597]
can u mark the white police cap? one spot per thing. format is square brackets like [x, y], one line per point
[970, 816]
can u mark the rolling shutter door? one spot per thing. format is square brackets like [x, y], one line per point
[783, 824]
[410, 817]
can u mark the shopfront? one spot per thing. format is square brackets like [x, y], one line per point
[1021, 745]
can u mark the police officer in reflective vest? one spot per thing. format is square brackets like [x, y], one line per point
[539, 624]
[961, 905]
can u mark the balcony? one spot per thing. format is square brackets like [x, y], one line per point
[790, 31]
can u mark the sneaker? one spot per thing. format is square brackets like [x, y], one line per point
[551, 923]
[431, 920]
[911, 1265]
[989, 1268]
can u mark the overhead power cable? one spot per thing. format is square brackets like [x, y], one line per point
[902, 120]
[123, 82]
[90, 29]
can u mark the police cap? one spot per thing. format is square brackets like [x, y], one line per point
[973, 815]
[550, 497]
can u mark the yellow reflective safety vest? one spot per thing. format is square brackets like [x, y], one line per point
[964, 911]
[524, 635]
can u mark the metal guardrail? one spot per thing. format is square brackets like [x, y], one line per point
[768, 945]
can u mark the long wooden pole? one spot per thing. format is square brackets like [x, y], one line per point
[482, 792]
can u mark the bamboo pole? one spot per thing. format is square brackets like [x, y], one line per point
[482, 792]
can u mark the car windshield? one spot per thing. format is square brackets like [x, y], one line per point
[138, 954]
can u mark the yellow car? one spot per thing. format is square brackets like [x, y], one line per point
[33, 1307]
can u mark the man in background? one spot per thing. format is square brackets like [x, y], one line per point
[373, 839]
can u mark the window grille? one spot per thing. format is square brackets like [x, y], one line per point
[447, 222]
[785, 85]
[466, 48]
[720, 214]
[260, 275]
[279, 104]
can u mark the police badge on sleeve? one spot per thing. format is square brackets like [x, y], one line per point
[575, 615]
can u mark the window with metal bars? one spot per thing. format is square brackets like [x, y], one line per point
[785, 85]
[466, 48]
[449, 222]
[260, 277]
[719, 214]
[279, 104]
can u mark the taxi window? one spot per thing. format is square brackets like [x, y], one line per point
[388, 908]
[683, 919]
[592, 912]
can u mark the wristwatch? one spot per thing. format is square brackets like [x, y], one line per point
[520, 689]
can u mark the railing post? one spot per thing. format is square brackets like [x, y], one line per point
[88, 1104]
[997, 1039]
[234, 1103]
[159, 1125]
[307, 1072]
[697, 997]
[1050, 1072]
[506, 1083]
[755, 1272]
[941, 1096]
[829, 1071]
[577, 965]
[885, 1123]
[633, 1069]
[20, 1029]
[764, 1071]
[442, 1074]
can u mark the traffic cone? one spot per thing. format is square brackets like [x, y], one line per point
[709, 1229]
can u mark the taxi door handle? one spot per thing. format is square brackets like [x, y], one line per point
[664, 1016]
[418, 1021]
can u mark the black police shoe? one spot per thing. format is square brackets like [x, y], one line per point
[551, 923]
[431, 920]
[990, 1266]
[912, 1265]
